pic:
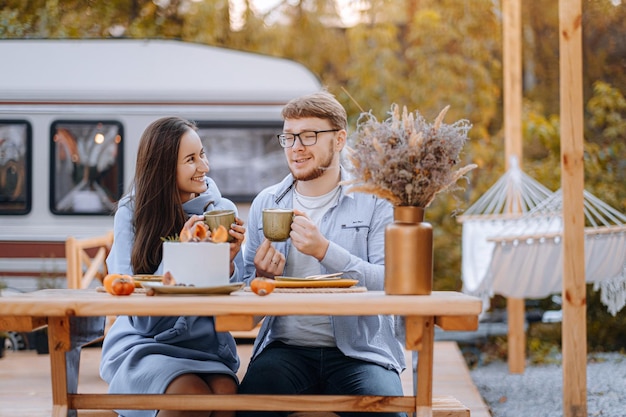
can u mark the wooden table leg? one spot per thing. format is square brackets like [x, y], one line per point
[516, 335]
[420, 336]
[59, 344]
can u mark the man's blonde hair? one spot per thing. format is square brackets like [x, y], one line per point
[322, 105]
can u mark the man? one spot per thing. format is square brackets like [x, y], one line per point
[332, 231]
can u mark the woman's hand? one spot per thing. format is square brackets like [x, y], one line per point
[238, 232]
[191, 221]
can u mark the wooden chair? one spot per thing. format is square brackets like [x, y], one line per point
[82, 266]
[86, 260]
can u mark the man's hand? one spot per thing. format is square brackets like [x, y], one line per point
[306, 237]
[268, 261]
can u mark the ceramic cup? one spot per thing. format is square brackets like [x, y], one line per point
[277, 224]
[215, 218]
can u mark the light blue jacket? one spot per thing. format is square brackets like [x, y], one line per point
[144, 354]
[118, 260]
[355, 228]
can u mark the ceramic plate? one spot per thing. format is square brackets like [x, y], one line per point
[148, 278]
[190, 290]
[324, 277]
[337, 283]
[139, 279]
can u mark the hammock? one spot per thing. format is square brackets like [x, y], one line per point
[512, 196]
[527, 259]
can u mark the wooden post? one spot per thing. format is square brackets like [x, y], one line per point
[512, 79]
[574, 325]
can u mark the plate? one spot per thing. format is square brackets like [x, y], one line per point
[160, 289]
[139, 279]
[148, 278]
[324, 277]
[329, 283]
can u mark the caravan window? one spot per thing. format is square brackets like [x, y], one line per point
[244, 157]
[86, 166]
[15, 166]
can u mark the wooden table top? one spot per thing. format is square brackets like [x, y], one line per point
[65, 302]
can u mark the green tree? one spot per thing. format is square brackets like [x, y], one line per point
[605, 148]
[604, 25]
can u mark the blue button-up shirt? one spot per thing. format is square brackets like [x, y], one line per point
[355, 227]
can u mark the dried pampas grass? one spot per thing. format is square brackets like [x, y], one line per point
[404, 159]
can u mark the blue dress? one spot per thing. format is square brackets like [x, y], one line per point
[142, 355]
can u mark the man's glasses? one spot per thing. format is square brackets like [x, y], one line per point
[307, 138]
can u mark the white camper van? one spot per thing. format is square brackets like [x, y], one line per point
[72, 113]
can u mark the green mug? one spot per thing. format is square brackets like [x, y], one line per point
[277, 224]
[215, 218]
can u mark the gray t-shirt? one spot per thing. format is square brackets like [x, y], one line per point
[306, 330]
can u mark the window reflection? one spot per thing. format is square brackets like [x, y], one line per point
[86, 170]
[244, 158]
[15, 167]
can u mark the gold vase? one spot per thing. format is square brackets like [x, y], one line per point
[408, 253]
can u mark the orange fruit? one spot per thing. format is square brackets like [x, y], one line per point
[262, 286]
[199, 231]
[123, 286]
[196, 233]
[108, 281]
[220, 234]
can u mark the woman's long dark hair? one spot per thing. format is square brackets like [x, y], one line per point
[158, 207]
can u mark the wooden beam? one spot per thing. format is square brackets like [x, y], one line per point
[574, 328]
[23, 323]
[462, 323]
[236, 322]
[512, 77]
[512, 84]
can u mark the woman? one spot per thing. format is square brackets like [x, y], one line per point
[172, 355]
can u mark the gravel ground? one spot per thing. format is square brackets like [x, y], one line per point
[538, 392]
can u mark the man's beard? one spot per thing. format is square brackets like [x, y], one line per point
[319, 171]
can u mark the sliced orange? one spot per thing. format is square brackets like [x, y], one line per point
[199, 231]
[220, 234]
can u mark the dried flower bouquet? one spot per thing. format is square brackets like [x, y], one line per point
[406, 160]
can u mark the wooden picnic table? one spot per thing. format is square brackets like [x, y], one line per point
[62, 309]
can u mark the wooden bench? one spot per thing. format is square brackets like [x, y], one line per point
[443, 406]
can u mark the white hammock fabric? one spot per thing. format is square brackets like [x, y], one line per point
[512, 196]
[527, 258]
